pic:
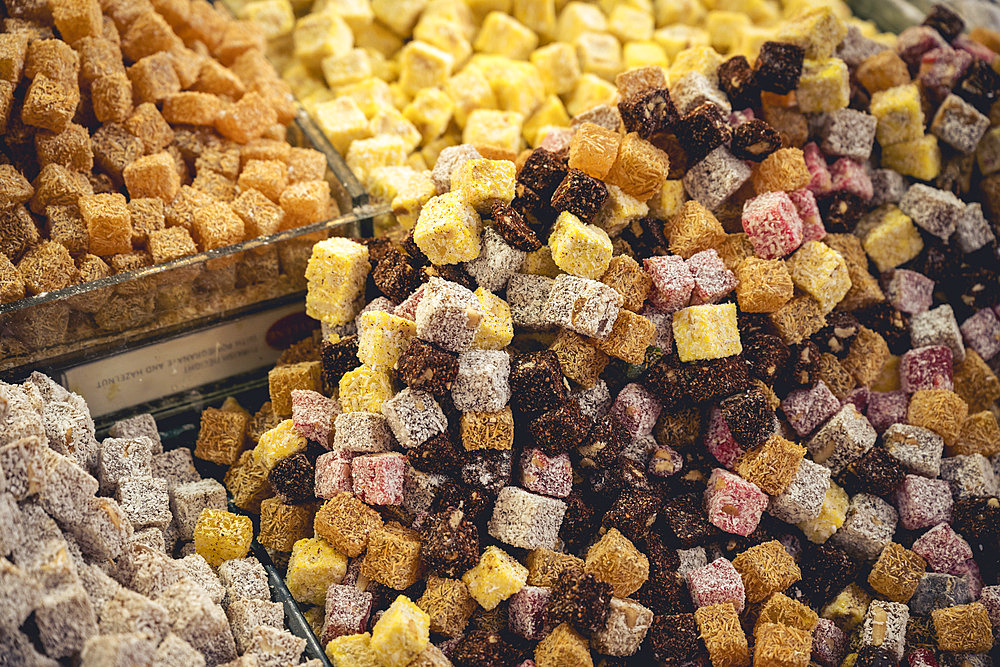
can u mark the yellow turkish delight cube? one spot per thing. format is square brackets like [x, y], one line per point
[383, 338]
[818, 31]
[893, 241]
[919, 158]
[423, 66]
[820, 271]
[496, 329]
[600, 53]
[504, 35]
[481, 182]
[357, 13]
[377, 39]
[430, 112]
[275, 17]
[399, 15]
[668, 200]
[401, 633]
[351, 67]
[498, 129]
[220, 536]
[750, 39]
[313, 567]
[591, 91]
[824, 86]
[445, 35]
[706, 332]
[619, 210]
[342, 121]
[280, 442]
[558, 67]
[495, 578]
[724, 29]
[667, 12]
[577, 18]
[578, 248]
[352, 651]
[676, 38]
[644, 53]
[539, 15]
[469, 90]
[848, 608]
[371, 95]
[319, 35]
[628, 22]
[899, 114]
[389, 121]
[411, 197]
[448, 230]
[365, 389]
[831, 516]
[550, 114]
[336, 274]
[364, 155]
[518, 87]
[700, 58]
[539, 263]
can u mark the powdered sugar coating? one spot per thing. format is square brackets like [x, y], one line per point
[716, 583]
[942, 548]
[923, 502]
[378, 479]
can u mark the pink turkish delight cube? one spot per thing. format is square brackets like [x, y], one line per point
[546, 475]
[820, 181]
[805, 409]
[663, 338]
[719, 440]
[527, 612]
[886, 408]
[942, 548]
[408, 309]
[712, 280]
[830, 644]
[858, 398]
[313, 415]
[969, 569]
[716, 583]
[851, 176]
[333, 473]
[378, 479]
[923, 502]
[928, 367]
[909, 291]
[982, 333]
[673, 282]
[808, 210]
[734, 504]
[921, 657]
[637, 409]
[773, 224]
[347, 611]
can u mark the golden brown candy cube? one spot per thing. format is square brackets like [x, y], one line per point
[222, 435]
[153, 176]
[346, 523]
[109, 223]
[393, 556]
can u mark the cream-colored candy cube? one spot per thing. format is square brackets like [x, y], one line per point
[831, 516]
[383, 338]
[551, 114]
[824, 86]
[577, 18]
[317, 36]
[669, 12]
[496, 329]
[677, 38]
[724, 29]
[628, 22]
[600, 53]
[376, 37]
[557, 66]
[448, 230]
[357, 13]
[274, 17]
[365, 390]
[706, 332]
[445, 35]
[412, 195]
[750, 40]
[618, 211]
[456, 12]
[469, 90]
[481, 182]
[399, 15]
[591, 91]
[504, 35]
[352, 67]
[342, 121]
[495, 578]
[381, 151]
[429, 112]
[371, 95]
[423, 66]
[665, 203]
[643, 54]
[388, 120]
[539, 15]
[578, 248]
[820, 271]
[500, 129]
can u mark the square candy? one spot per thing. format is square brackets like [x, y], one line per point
[734, 504]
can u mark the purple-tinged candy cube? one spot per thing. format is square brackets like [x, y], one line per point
[886, 408]
[720, 441]
[806, 409]
[858, 398]
[716, 583]
[923, 502]
[820, 181]
[830, 644]
[712, 280]
[773, 224]
[915, 41]
[313, 415]
[922, 657]
[734, 504]
[673, 282]
[547, 475]
[664, 323]
[851, 176]
[378, 479]
[347, 611]
[981, 332]
[637, 409]
[928, 367]
[940, 70]
[665, 462]
[969, 570]
[990, 598]
[942, 548]
[526, 612]
[333, 474]
[808, 210]
[909, 292]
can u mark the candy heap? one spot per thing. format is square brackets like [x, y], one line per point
[90, 528]
[707, 376]
[170, 103]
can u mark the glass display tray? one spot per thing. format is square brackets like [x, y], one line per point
[63, 327]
